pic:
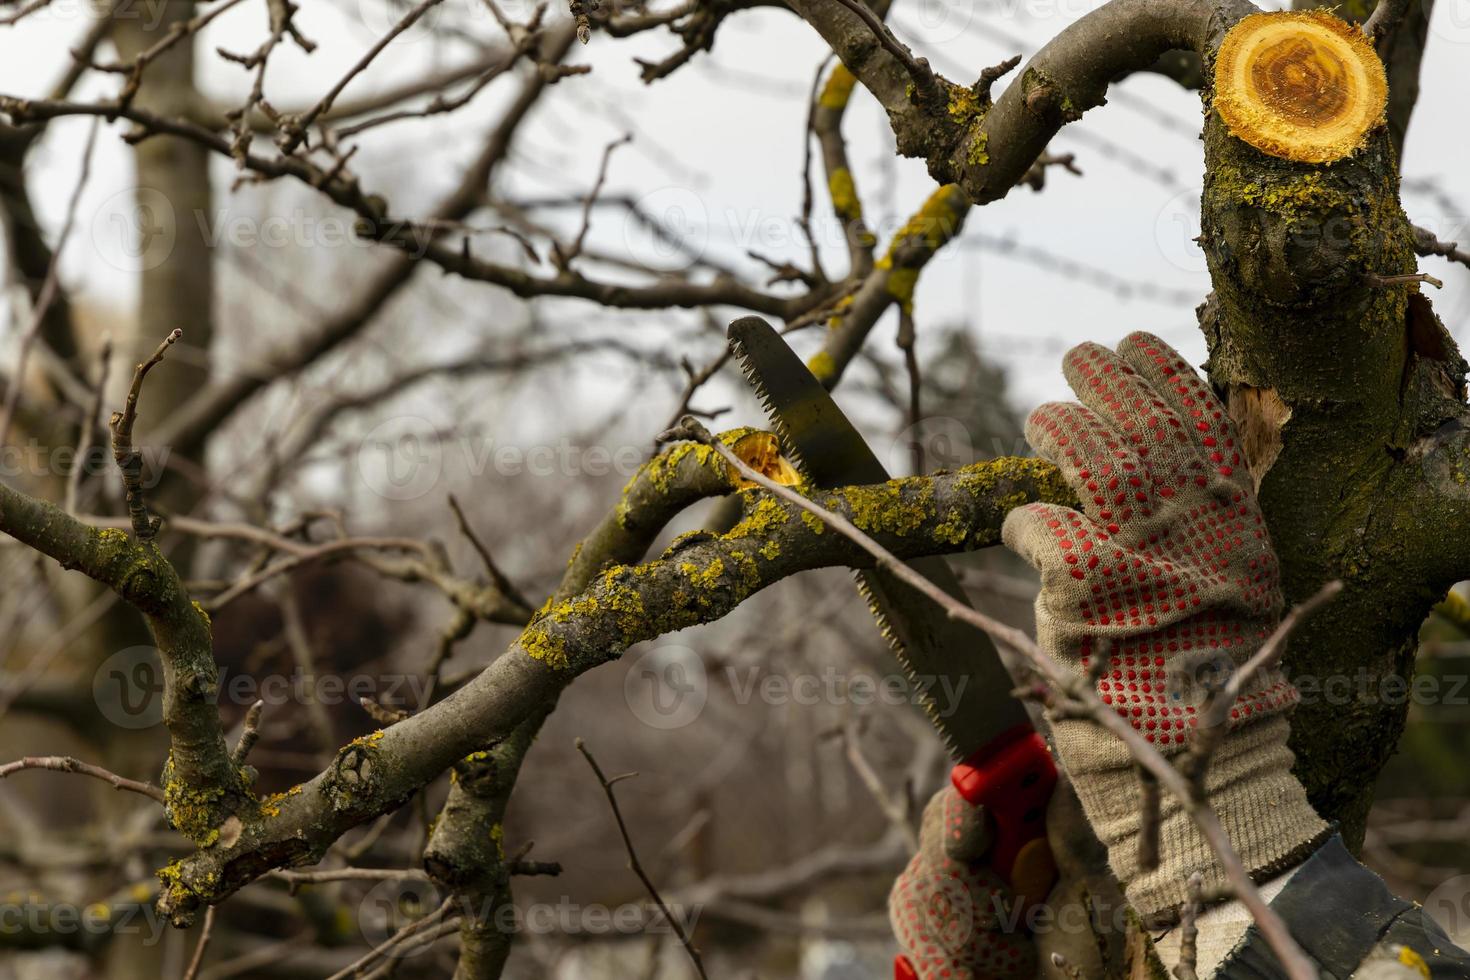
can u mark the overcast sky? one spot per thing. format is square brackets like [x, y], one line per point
[718, 147]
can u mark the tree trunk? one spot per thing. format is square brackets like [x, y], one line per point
[1336, 380]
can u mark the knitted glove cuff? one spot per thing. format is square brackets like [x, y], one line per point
[1249, 784]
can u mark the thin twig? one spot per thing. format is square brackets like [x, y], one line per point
[1214, 716]
[497, 577]
[563, 258]
[918, 69]
[403, 935]
[1425, 243]
[250, 734]
[128, 459]
[1189, 933]
[198, 958]
[295, 879]
[911, 363]
[1374, 279]
[295, 129]
[633, 863]
[1150, 818]
[88, 428]
[12, 19]
[895, 809]
[65, 763]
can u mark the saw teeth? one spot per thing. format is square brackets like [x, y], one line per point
[899, 651]
[753, 378]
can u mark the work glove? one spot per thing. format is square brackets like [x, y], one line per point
[1169, 564]
[954, 917]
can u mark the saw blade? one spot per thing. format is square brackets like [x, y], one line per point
[954, 668]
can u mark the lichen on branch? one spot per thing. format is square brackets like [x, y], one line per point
[202, 786]
[700, 578]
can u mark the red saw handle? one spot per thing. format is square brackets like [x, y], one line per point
[1012, 776]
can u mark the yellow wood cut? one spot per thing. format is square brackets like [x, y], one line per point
[1303, 85]
[762, 453]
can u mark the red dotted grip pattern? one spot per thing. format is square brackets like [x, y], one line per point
[1169, 557]
[1013, 778]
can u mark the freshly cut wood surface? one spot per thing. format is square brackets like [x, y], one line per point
[1300, 85]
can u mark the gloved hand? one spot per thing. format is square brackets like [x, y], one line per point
[949, 911]
[1169, 560]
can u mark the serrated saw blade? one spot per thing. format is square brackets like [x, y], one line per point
[955, 670]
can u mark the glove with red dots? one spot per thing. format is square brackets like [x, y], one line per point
[954, 917]
[1169, 565]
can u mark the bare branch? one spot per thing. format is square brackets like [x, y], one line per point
[129, 459]
[633, 863]
[61, 763]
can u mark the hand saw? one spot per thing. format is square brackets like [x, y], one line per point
[1003, 763]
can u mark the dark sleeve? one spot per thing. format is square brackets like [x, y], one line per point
[1340, 912]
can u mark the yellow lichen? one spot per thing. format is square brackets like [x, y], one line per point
[926, 231]
[765, 517]
[901, 286]
[834, 320]
[368, 740]
[659, 473]
[270, 806]
[887, 507]
[844, 195]
[934, 223]
[963, 104]
[838, 89]
[611, 594]
[707, 577]
[822, 366]
[979, 154]
[112, 537]
[1290, 197]
[195, 813]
